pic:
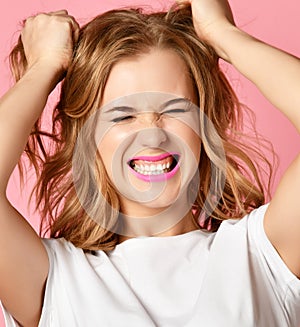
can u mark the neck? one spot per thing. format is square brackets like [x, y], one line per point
[174, 220]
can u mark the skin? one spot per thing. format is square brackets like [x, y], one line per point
[259, 62]
[157, 71]
[48, 43]
[48, 56]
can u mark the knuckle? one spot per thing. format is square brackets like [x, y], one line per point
[27, 21]
[40, 16]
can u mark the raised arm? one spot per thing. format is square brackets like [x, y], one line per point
[48, 44]
[277, 75]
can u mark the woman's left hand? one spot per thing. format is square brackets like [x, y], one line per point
[210, 18]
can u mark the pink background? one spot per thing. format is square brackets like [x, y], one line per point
[276, 22]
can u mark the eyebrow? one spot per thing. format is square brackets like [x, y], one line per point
[174, 101]
[129, 109]
[121, 108]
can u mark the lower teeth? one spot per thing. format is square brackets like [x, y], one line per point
[157, 172]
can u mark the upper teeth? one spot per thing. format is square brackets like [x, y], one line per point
[151, 169]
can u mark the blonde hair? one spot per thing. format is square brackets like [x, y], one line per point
[102, 43]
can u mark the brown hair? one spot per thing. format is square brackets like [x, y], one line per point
[102, 43]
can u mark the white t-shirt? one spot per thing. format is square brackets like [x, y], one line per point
[231, 278]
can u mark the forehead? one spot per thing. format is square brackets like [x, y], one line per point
[162, 71]
[145, 102]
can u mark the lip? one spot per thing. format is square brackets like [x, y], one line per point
[160, 177]
[155, 158]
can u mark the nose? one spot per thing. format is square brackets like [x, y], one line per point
[149, 119]
[152, 137]
[151, 134]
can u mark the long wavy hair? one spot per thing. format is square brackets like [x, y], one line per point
[103, 42]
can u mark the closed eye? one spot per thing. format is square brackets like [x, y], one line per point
[174, 111]
[122, 119]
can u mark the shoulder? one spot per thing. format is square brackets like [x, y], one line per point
[245, 229]
[65, 257]
[53, 243]
[254, 218]
[248, 234]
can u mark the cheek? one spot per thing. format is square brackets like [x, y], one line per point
[109, 145]
[194, 142]
[188, 135]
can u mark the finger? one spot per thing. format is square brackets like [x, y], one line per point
[62, 12]
[59, 12]
[183, 3]
[75, 30]
[73, 23]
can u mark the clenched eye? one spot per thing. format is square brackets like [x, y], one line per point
[122, 119]
[174, 111]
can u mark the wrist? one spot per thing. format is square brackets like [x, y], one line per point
[47, 72]
[225, 38]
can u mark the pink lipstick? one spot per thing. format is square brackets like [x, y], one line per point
[155, 168]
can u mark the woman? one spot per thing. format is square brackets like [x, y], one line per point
[148, 163]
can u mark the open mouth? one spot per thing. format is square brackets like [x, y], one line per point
[163, 165]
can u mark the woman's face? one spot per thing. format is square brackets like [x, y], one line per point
[148, 131]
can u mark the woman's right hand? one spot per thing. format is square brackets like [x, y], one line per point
[48, 39]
